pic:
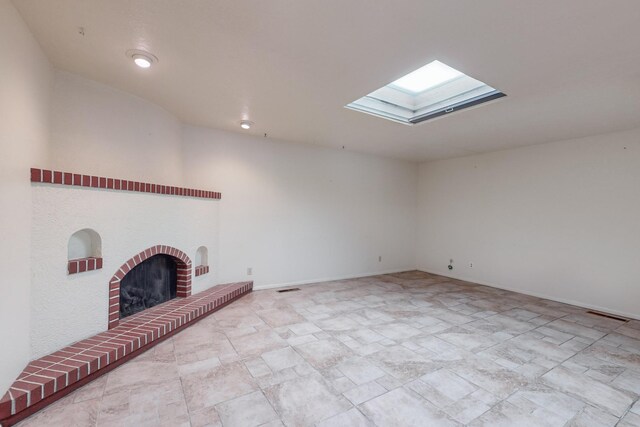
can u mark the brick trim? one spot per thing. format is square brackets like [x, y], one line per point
[183, 288]
[51, 377]
[90, 181]
[201, 269]
[80, 265]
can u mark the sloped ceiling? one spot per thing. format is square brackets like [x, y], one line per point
[570, 68]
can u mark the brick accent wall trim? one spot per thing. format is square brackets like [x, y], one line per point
[84, 264]
[201, 269]
[78, 180]
[51, 377]
[183, 288]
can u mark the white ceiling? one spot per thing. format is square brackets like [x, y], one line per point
[570, 68]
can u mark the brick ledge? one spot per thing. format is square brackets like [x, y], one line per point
[51, 377]
[89, 181]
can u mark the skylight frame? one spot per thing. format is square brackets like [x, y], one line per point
[409, 107]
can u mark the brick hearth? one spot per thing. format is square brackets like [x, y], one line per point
[49, 378]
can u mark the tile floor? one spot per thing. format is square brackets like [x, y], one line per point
[394, 350]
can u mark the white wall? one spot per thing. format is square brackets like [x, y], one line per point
[67, 308]
[99, 130]
[559, 220]
[25, 80]
[292, 212]
[299, 213]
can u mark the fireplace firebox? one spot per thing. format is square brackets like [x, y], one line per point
[149, 283]
[136, 298]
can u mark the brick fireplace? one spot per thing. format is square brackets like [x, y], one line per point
[122, 225]
[87, 228]
[183, 285]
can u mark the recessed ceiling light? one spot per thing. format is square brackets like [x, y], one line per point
[142, 61]
[429, 92]
[141, 58]
[246, 124]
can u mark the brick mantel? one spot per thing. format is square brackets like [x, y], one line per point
[89, 181]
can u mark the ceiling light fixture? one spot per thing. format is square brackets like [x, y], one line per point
[142, 61]
[246, 124]
[141, 58]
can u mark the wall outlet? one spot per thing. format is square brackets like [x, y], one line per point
[470, 265]
[380, 258]
[249, 271]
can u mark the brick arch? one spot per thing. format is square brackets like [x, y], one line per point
[183, 287]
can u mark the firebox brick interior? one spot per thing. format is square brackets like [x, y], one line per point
[335, 213]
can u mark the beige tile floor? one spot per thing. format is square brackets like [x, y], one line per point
[395, 350]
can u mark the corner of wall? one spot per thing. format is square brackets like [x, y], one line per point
[24, 135]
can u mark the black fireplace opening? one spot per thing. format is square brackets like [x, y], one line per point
[149, 283]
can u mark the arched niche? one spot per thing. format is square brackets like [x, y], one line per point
[84, 251]
[202, 261]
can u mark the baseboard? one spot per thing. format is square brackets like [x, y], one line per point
[328, 279]
[536, 294]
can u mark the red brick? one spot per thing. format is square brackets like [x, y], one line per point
[113, 323]
[103, 182]
[36, 175]
[34, 390]
[86, 181]
[20, 400]
[57, 177]
[49, 384]
[68, 178]
[77, 369]
[73, 267]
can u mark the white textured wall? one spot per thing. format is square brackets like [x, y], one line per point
[559, 220]
[66, 308]
[294, 213]
[25, 80]
[301, 213]
[99, 130]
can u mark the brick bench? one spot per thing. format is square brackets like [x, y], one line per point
[51, 377]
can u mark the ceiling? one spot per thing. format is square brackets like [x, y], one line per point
[570, 68]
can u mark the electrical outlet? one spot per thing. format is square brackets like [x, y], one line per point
[470, 265]
[380, 258]
[249, 271]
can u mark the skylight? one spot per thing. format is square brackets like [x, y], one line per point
[426, 93]
[431, 75]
